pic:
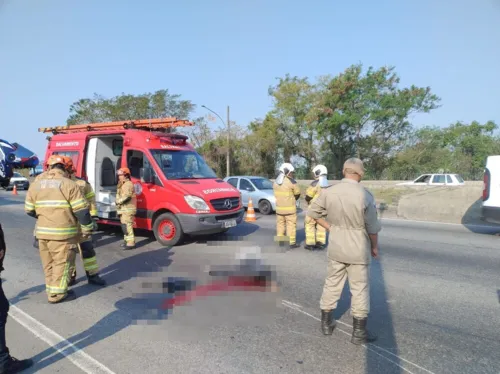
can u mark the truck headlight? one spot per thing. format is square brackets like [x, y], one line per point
[195, 202]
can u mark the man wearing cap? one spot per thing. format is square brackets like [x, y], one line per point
[127, 207]
[348, 211]
[60, 207]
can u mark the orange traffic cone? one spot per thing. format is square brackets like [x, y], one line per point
[250, 212]
[14, 190]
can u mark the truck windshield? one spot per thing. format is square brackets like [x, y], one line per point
[182, 164]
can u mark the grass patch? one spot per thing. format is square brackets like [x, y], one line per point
[389, 195]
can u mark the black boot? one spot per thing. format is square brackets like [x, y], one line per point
[360, 334]
[320, 246]
[72, 281]
[327, 322]
[310, 247]
[16, 366]
[96, 279]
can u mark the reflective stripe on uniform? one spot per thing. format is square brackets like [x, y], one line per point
[78, 204]
[62, 288]
[90, 264]
[286, 209]
[52, 204]
[29, 207]
[126, 210]
[283, 193]
[89, 227]
[56, 231]
[90, 195]
[93, 213]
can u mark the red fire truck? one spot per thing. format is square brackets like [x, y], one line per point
[177, 192]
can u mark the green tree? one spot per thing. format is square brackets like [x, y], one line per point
[127, 107]
[367, 115]
[294, 102]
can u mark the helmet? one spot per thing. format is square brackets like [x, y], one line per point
[123, 171]
[70, 167]
[286, 168]
[319, 170]
[56, 159]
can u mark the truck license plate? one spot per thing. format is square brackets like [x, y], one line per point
[230, 223]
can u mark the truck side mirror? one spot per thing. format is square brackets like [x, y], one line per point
[147, 175]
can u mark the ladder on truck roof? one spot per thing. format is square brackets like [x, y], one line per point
[156, 124]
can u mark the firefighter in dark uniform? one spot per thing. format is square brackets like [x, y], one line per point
[85, 245]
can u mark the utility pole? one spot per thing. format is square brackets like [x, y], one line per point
[228, 127]
[228, 160]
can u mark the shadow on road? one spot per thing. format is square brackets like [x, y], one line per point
[234, 234]
[114, 274]
[5, 201]
[472, 219]
[129, 311]
[381, 323]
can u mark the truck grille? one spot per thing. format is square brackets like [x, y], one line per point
[222, 204]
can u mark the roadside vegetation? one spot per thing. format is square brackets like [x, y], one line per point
[358, 112]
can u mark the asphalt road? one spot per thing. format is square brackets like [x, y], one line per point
[435, 306]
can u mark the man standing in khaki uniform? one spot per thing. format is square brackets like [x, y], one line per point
[59, 206]
[85, 245]
[347, 210]
[286, 192]
[315, 233]
[127, 207]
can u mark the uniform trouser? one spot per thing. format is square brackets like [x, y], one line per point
[286, 223]
[314, 233]
[127, 222]
[88, 255]
[58, 256]
[358, 276]
[4, 310]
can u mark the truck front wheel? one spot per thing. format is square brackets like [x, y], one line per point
[168, 230]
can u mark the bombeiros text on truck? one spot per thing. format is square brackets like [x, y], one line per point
[177, 192]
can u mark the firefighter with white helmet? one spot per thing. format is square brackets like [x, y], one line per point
[315, 234]
[286, 192]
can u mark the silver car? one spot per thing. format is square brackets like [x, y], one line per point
[258, 188]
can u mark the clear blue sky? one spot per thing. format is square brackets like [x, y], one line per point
[220, 53]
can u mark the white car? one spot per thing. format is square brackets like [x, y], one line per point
[22, 183]
[436, 180]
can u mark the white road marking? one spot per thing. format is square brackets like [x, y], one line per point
[77, 356]
[291, 305]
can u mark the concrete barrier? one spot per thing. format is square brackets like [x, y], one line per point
[450, 204]
[443, 204]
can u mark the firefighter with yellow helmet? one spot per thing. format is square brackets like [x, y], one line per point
[61, 211]
[286, 192]
[85, 245]
[126, 204]
[315, 233]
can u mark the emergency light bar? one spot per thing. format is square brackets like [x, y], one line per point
[157, 124]
[174, 139]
